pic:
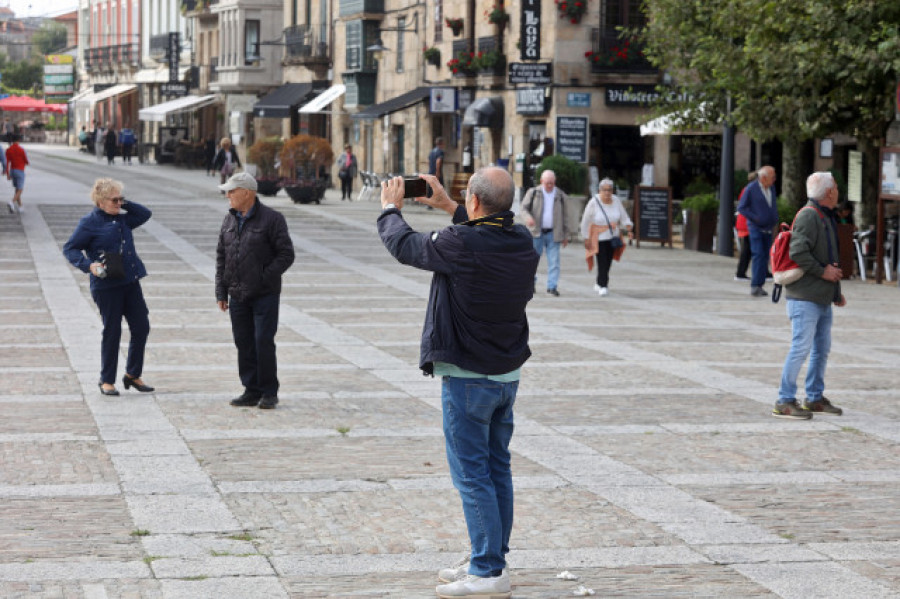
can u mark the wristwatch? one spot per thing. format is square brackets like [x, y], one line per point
[390, 207]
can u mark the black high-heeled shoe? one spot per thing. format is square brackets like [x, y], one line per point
[131, 382]
[112, 391]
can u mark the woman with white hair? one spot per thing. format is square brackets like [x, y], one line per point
[601, 227]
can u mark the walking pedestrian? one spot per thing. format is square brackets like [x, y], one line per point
[759, 206]
[603, 219]
[16, 160]
[127, 141]
[253, 253]
[476, 339]
[814, 247]
[546, 214]
[103, 245]
[347, 169]
[110, 142]
[226, 161]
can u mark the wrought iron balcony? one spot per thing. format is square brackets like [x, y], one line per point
[304, 44]
[611, 53]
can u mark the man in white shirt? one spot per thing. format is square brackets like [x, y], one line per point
[544, 210]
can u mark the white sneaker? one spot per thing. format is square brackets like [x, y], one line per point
[604, 291]
[21, 209]
[11, 206]
[477, 586]
[596, 287]
[457, 571]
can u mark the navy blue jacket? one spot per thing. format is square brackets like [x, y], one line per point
[98, 232]
[756, 209]
[483, 279]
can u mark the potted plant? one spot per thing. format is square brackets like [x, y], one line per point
[455, 25]
[464, 64]
[497, 15]
[572, 10]
[432, 56]
[491, 60]
[264, 154]
[700, 211]
[304, 163]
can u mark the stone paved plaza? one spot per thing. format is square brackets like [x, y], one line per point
[645, 459]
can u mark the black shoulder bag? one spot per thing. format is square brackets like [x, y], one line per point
[112, 261]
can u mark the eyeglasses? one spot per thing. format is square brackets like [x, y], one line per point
[118, 200]
[606, 189]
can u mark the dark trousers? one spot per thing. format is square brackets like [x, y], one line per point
[347, 187]
[604, 262]
[254, 324]
[115, 303]
[126, 152]
[760, 242]
[744, 258]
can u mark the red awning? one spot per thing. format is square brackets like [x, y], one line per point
[28, 104]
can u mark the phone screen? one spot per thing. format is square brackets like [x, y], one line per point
[413, 187]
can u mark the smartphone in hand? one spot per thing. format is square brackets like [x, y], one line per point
[414, 187]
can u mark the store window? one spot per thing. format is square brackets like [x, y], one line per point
[251, 42]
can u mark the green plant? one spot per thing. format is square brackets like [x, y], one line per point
[740, 182]
[702, 202]
[698, 186]
[140, 532]
[571, 176]
[432, 54]
[623, 54]
[786, 210]
[464, 62]
[455, 25]
[622, 183]
[497, 15]
[263, 154]
[487, 60]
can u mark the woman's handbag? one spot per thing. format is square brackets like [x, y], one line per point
[112, 261]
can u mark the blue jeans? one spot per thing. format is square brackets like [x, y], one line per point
[760, 242]
[253, 325]
[478, 425]
[810, 336]
[546, 240]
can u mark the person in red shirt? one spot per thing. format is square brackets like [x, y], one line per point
[16, 160]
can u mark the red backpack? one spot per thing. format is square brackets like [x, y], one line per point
[784, 270]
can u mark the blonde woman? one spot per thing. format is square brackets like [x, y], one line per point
[103, 245]
[604, 218]
[227, 160]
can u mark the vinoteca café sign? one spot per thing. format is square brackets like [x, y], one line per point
[635, 95]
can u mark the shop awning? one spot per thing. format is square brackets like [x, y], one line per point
[401, 102]
[484, 112]
[279, 103]
[324, 99]
[92, 97]
[674, 124]
[82, 96]
[159, 112]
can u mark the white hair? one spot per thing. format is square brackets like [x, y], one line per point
[607, 182]
[818, 183]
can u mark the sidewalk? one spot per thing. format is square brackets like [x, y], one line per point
[645, 459]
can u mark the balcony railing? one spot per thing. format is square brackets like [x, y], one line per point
[107, 58]
[304, 44]
[614, 54]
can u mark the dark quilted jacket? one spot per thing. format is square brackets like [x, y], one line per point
[250, 262]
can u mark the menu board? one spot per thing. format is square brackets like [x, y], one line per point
[653, 214]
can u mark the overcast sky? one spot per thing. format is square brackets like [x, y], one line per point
[40, 8]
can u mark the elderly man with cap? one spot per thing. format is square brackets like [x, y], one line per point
[254, 251]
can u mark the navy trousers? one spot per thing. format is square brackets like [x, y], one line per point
[115, 303]
[254, 324]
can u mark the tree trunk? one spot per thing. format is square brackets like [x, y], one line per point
[793, 187]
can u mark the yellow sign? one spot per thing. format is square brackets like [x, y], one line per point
[60, 59]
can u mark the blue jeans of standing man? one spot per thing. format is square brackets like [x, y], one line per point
[546, 240]
[478, 425]
[760, 242]
[810, 336]
[254, 324]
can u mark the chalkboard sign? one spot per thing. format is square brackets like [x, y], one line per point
[653, 215]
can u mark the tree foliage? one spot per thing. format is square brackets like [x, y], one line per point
[24, 76]
[50, 38]
[793, 70]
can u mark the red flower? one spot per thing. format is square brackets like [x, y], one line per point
[574, 21]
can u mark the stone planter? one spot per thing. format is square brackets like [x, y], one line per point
[268, 187]
[306, 192]
[699, 230]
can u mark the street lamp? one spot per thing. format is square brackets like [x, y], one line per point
[378, 48]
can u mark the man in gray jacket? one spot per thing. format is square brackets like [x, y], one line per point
[544, 210]
[814, 247]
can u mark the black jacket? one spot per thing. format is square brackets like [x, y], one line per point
[483, 279]
[219, 160]
[250, 261]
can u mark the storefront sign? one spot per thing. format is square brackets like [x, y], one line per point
[854, 176]
[443, 99]
[174, 55]
[531, 101]
[653, 213]
[174, 89]
[578, 99]
[536, 74]
[631, 95]
[572, 137]
[531, 30]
